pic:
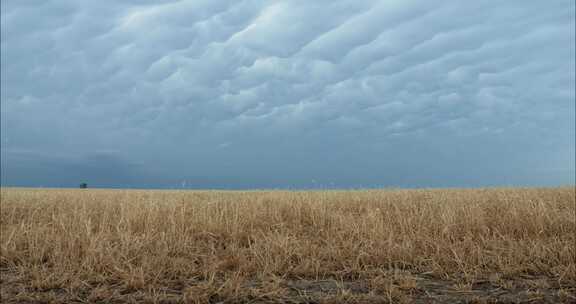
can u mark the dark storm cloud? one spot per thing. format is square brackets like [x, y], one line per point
[288, 93]
[102, 169]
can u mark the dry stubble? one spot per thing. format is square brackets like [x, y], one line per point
[369, 246]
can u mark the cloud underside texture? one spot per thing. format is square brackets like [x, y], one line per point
[288, 93]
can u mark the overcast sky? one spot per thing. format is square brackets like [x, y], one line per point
[287, 94]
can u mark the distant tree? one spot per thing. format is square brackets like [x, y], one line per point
[83, 185]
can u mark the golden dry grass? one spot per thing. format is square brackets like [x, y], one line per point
[369, 246]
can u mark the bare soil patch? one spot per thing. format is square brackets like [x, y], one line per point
[425, 289]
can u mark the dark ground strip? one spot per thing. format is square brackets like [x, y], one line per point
[14, 289]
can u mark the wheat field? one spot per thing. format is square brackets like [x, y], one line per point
[505, 245]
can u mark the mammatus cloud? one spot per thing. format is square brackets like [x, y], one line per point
[280, 93]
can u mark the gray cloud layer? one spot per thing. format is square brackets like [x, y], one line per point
[261, 93]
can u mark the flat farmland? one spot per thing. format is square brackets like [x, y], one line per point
[499, 245]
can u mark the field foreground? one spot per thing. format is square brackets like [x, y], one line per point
[369, 246]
